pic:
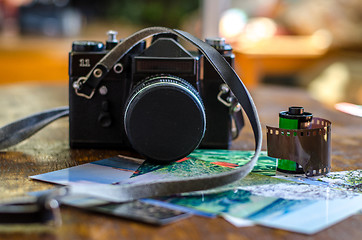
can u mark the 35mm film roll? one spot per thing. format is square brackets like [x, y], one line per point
[302, 143]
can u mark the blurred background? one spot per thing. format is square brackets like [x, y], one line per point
[310, 44]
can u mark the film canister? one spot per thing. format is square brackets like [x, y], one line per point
[295, 118]
[301, 143]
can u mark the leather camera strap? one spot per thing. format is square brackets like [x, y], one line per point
[89, 83]
[164, 187]
[20, 130]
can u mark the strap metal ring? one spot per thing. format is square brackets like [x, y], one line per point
[118, 68]
[97, 73]
[77, 85]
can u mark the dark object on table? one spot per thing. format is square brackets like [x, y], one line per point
[45, 209]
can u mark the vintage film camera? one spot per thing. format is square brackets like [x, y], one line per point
[160, 99]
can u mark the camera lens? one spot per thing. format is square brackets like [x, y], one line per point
[164, 118]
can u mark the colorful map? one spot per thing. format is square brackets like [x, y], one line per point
[206, 162]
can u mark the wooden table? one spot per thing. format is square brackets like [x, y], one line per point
[49, 151]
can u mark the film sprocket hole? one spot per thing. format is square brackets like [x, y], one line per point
[160, 100]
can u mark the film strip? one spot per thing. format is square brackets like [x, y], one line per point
[310, 148]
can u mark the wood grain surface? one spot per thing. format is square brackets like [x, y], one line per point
[48, 151]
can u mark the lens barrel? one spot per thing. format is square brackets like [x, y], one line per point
[164, 118]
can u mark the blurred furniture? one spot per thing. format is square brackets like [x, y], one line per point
[277, 56]
[48, 151]
[39, 59]
[33, 59]
[49, 19]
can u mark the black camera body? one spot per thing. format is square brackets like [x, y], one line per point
[161, 100]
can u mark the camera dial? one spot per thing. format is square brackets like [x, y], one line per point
[164, 118]
[112, 39]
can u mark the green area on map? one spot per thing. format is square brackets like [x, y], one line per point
[206, 162]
